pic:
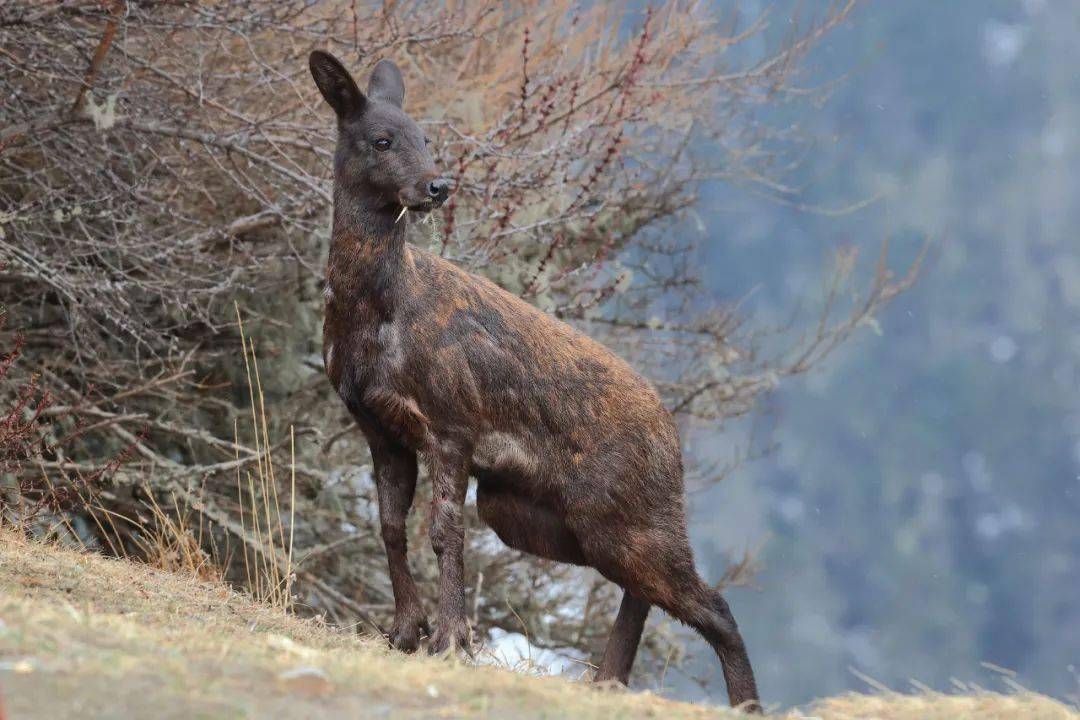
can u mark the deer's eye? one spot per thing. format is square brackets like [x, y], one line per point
[381, 144]
[427, 140]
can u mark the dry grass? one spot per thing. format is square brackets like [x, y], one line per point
[82, 634]
[269, 569]
[119, 639]
[172, 541]
[935, 706]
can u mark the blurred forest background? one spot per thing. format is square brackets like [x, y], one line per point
[704, 186]
[921, 512]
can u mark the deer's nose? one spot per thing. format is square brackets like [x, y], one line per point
[438, 189]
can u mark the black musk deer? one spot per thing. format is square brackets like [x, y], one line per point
[574, 456]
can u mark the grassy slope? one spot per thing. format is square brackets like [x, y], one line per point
[86, 636]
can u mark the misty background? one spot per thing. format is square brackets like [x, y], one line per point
[918, 514]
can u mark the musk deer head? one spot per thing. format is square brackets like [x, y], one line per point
[382, 155]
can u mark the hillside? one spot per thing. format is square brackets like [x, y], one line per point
[84, 636]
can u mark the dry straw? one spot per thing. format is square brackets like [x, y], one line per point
[268, 565]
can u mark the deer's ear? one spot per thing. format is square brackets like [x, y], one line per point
[386, 84]
[336, 84]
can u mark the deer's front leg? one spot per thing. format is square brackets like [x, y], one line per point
[395, 481]
[449, 481]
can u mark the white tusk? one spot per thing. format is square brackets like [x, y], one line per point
[401, 214]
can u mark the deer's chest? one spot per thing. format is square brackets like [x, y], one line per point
[367, 362]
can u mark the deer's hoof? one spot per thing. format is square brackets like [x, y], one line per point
[450, 636]
[405, 633]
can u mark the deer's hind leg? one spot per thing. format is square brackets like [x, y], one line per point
[622, 645]
[655, 563]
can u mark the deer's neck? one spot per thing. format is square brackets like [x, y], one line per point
[368, 256]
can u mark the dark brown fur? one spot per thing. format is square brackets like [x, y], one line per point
[574, 455]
